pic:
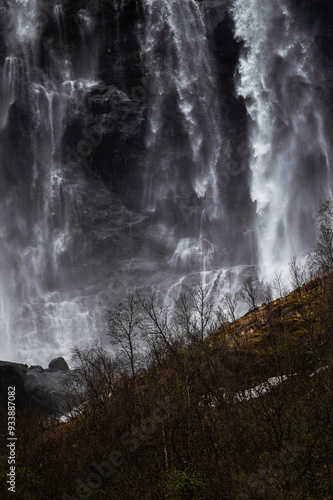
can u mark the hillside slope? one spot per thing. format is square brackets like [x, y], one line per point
[247, 414]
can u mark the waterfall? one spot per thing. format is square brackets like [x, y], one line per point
[125, 159]
[184, 139]
[38, 316]
[284, 87]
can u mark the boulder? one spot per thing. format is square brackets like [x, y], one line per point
[58, 364]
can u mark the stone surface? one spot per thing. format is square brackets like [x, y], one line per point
[35, 387]
[58, 364]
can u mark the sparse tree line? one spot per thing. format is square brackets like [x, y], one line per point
[193, 357]
[143, 328]
[165, 351]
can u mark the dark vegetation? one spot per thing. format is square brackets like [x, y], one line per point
[196, 403]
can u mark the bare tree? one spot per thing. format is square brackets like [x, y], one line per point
[195, 314]
[250, 293]
[183, 316]
[204, 321]
[124, 331]
[155, 325]
[93, 380]
[279, 285]
[320, 258]
[268, 293]
[298, 273]
[229, 304]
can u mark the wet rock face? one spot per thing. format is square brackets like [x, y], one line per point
[112, 121]
[317, 18]
[106, 138]
[35, 387]
[13, 375]
[117, 106]
[324, 37]
[119, 52]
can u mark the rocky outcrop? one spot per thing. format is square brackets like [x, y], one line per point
[56, 365]
[107, 138]
[35, 387]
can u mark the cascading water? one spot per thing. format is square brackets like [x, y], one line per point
[184, 101]
[184, 139]
[37, 221]
[283, 85]
[73, 129]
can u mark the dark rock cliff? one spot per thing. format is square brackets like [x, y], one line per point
[36, 387]
[117, 105]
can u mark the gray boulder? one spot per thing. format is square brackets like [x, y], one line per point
[58, 364]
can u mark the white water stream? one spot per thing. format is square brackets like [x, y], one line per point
[291, 153]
